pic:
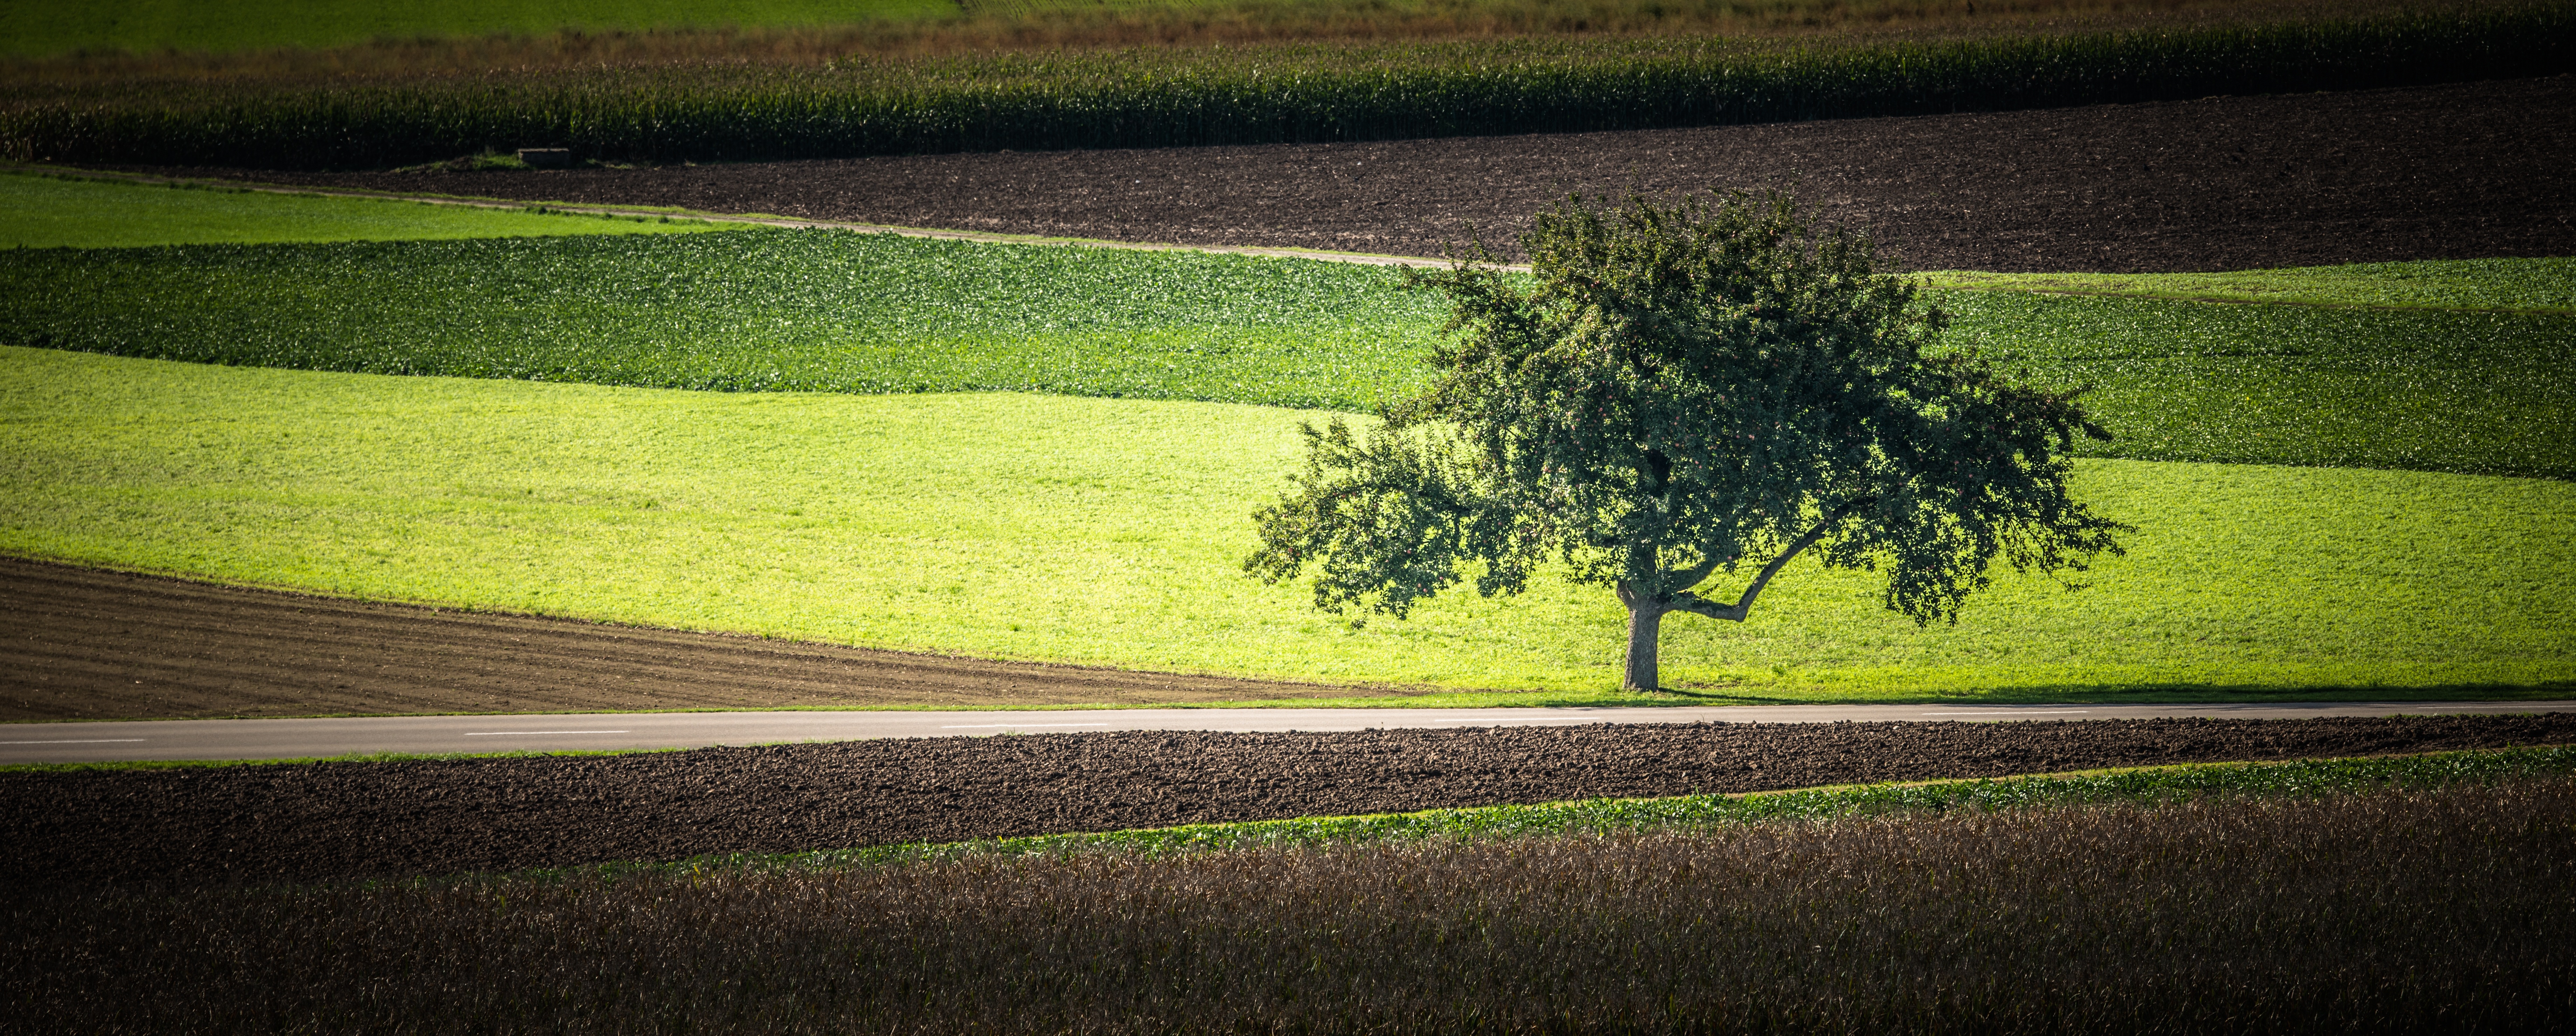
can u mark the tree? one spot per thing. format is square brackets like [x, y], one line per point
[1681, 391]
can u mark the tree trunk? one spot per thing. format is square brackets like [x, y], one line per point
[1645, 624]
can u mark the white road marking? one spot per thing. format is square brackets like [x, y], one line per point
[1015, 726]
[90, 741]
[533, 733]
[1520, 719]
[2009, 712]
[2486, 706]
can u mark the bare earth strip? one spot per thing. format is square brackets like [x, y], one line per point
[84, 644]
[254, 823]
[2444, 172]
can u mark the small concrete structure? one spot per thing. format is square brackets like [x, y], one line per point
[546, 157]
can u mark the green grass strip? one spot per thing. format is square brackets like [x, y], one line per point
[2149, 785]
[39, 211]
[2502, 285]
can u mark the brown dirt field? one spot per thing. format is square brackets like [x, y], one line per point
[2444, 172]
[253, 823]
[85, 644]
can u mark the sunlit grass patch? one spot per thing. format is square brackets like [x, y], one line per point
[1108, 532]
[50, 212]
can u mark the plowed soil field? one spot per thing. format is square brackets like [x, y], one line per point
[256, 823]
[84, 644]
[2226, 183]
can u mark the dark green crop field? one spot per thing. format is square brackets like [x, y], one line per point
[2427, 389]
[1159, 96]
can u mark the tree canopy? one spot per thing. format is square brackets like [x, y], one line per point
[1677, 392]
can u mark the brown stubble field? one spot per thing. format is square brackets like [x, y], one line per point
[2466, 170]
[334, 820]
[2444, 910]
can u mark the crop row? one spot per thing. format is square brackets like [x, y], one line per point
[2483, 392]
[1261, 94]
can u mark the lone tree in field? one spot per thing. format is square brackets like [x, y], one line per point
[1682, 392]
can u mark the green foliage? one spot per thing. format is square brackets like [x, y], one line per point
[1105, 532]
[2424, 389]
[47, 27]
[1676, 391]
[751, 310]
[1150, 97]
[52, 212]
[2516, 285]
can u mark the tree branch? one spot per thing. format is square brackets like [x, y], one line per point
[1687, 601]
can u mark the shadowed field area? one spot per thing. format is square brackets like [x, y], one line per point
[323, 820]
[2375, 907]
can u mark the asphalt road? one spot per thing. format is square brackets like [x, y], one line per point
[304, 738]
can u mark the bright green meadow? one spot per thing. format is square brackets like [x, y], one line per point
[34, 28]
[1107, 531]
[62, 212]
[2464, 390]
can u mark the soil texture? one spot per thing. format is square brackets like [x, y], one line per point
[86, 644]
[2458, 171]
[322, 820]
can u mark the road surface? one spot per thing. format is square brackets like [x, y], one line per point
[304, 738]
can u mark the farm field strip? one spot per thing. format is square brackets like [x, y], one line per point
[2460, 171]
[2542, 286]
[630, 212]
[42, 208]
[2424, 903]
[1102, 531]
[1180, 96]
[889, 799]
[304, 739]
[767, 310]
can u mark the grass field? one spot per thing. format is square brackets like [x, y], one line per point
[2425, 389]
[60, 212]
[1107, 531]
[2416, 894]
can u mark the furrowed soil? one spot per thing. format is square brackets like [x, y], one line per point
[323, 820]
[2462, 171]
[86, 644]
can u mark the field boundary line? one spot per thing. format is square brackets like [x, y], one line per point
[749, 219]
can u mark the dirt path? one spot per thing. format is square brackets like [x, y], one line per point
[2458, 171]
[339, 819]
[84, 644]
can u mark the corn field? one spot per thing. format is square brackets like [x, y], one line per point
[1247, 95]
